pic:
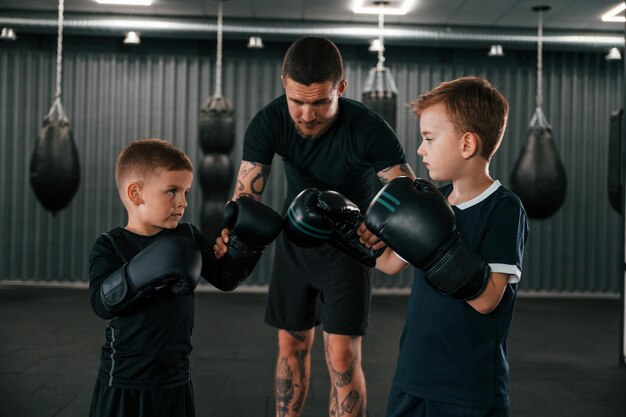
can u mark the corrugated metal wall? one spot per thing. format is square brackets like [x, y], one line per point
[115, 96]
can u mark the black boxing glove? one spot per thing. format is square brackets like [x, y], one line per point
[417, 222]
[316, 217]
[169, 261]
[252, 226]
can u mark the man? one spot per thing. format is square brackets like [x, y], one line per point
[330, 143]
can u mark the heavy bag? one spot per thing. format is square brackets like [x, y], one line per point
[538, 177]
[216, 174]
[216, 127]
[54, 166]
[381, 94]
[615, 181]
[212, 217]
[385, 106]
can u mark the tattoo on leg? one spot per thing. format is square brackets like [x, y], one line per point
[348, 403]
[301, 357]
[340, 379]
[284, 386]
[333, 404]
[298, 335]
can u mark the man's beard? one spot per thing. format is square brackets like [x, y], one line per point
[316, 135]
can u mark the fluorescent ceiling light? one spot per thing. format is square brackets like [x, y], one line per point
[126, 2]
[370, 7]
[610, 16]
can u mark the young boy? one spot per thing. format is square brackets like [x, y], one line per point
[466, 241]
[142, 278]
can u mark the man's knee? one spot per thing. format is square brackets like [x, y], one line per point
[290, 341]
[342, 352]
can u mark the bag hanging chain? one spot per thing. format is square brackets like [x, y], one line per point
[381, 28]
[539, 96]
[218, 63]
[539, 117]
[56, 105]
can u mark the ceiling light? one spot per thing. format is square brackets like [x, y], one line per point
[132, 38]
[613, 55]
[399, 7]
[496, 50]
[376, 45]
[126, 2]
[611, 15]
[255, 42]
[8, 34]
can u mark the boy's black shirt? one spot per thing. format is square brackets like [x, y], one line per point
[448, 351]
[149, 347]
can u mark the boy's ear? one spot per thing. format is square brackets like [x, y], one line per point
[133, 192]
[470, 144]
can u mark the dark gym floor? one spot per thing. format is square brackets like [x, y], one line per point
[563, 356]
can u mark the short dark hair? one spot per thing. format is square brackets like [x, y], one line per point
[473, 105]
[313, 59]
[144, 157]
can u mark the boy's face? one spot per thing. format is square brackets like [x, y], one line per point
[163, 199]
[313, 108]
[442, 145]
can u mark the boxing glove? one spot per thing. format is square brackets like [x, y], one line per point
[252, 226]
[316, 217]
[173, 262]
[417, 222]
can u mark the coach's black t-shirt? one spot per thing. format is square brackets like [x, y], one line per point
[342, 159]
[448, 351]
[149, 347]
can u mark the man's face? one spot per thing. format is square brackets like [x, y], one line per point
[313, 108]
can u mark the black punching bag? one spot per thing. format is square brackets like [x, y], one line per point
[216, 132]
[381, 95]
[538, 177]
[615, 174]
[54, 166]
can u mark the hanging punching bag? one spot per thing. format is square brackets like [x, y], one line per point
[615, 174]
[381, 95]
[54, 166]
[538, 177]
[216, 132]
[216, 176]
[216, 128]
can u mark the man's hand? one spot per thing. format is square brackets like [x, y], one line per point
[368, 238]
[221, 244]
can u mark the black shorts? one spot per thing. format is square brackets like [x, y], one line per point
[109, 401]
[311, 286]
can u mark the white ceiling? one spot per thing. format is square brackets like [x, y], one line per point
[570, 15]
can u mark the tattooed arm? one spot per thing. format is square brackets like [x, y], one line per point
[251, 179]
[385, 175]
[389, 173]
